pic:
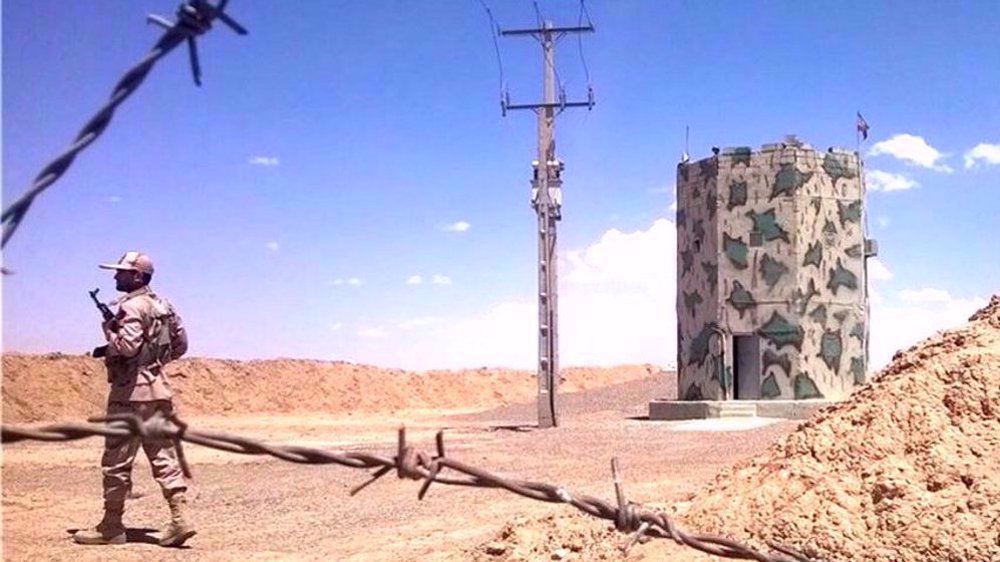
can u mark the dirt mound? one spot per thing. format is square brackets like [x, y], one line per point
[907, 469]
[554, 537]
[63, 387]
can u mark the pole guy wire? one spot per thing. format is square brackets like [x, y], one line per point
[194, 18]
[409, 463]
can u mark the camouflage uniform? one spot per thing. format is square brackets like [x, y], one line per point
[145, 334]
[138, 386]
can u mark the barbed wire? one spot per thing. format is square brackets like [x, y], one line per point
[194, 18]
[410, 463]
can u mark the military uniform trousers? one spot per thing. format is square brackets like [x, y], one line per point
[119, 455]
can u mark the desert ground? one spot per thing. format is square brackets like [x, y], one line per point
[908, 468]
[261, 508]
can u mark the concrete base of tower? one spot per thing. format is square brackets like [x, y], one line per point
[702, 409]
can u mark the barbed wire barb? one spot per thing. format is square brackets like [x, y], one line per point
[414, 464]
[194, 18]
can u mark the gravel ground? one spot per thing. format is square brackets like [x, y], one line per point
[259, 508]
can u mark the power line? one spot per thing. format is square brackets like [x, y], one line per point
[494, 32]
[579, 39]
[550, 63]
[538, 14]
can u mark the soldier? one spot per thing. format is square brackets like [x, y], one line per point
[144, 335]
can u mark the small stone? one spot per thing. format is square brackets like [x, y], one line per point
[496, 548]
[560, 554]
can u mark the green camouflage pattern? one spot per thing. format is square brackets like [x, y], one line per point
[818, 315]
[805, 387]
[687, 259]
[741, 299]
[780, 332]
[767, 225]
[691, 302]
[696, 185]
[737, 195]
[736, 250]
[848, 211]
[770, 389]
[779, 238]
[776, 364]
[858, 370]
[788, 181]
[814, 255]
[772, 270]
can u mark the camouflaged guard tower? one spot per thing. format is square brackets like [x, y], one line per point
[772, 305]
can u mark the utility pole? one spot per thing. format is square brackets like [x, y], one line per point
[546, 199]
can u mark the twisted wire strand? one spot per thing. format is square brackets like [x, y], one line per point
[194, 19]
[412, 464]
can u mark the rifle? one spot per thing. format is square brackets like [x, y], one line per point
[101, 351]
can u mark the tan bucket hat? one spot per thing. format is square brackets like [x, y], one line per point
[131, 261]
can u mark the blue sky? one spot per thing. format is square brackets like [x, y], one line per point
[344, 151]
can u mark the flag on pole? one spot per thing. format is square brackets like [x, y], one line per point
[862, 127]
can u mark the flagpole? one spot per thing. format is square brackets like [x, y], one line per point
[864, 243]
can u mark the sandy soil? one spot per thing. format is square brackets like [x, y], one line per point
[907, 469]
[257, 508]
[66, 387]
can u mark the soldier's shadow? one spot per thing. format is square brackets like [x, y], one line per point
[142, 535]
[138, 535]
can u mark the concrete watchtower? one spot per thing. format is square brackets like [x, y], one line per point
[771, 278]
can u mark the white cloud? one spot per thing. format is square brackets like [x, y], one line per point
[460, 226]
[439, 279]
[883, 222]
[874, 297]
[114, 199]
[920, 314]
[616, 305]
[925, 295]
[877, 271]
[353, 281]
[666, 189]
[986, 154]
[264, 160]
[417, 322]
[644, 258]
[911, 149]
[272, 246]
[335, 327]
[502, 336]
[877, 180]
[915, 315]
[372, 332]
[414, 280]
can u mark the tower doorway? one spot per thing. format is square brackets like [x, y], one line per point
[746, 367]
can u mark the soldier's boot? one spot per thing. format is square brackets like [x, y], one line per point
[110, 530]
[179, 529]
